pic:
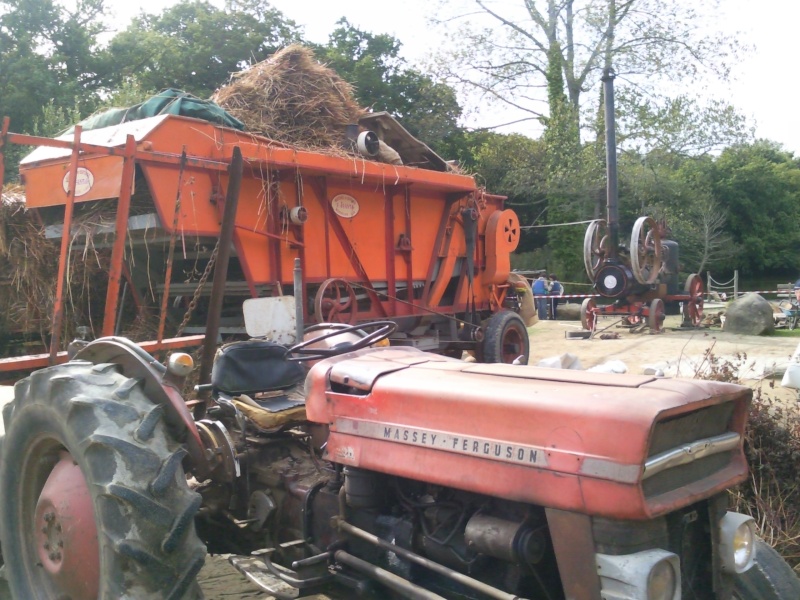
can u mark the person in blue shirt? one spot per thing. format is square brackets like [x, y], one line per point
[556, 289]
[540, 297]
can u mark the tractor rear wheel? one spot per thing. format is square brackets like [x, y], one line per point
[770, 578]
[94, 503]
[505, 339]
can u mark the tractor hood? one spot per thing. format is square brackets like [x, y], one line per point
[621, 446]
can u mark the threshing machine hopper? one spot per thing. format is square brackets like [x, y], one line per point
[426, 248]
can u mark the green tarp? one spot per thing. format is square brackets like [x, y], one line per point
[168, 102]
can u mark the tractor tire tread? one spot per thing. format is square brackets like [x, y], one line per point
[770, 578]
[144, 509]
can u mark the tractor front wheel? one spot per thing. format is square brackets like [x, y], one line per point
[505, 339]
[770, 578]
[94, 503]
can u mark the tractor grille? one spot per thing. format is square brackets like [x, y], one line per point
[689, 448]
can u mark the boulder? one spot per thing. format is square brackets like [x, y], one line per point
[749, 315]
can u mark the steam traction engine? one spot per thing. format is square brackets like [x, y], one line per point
[639, 278]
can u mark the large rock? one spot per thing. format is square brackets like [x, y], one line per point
[749, 315]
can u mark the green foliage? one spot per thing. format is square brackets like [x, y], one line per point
[759, 185]
[55, 119]
[383, 82]
[195, 46]
[48, 54]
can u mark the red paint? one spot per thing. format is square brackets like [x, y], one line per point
[573, 417]
[66, 534]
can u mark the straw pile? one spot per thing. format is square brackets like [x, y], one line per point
[293, 99]
[29, 270]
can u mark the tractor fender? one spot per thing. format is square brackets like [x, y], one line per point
[139, 364]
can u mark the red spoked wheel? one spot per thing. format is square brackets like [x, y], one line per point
[656, 315]
[693, 305]
[94, 504]
[336, 302]
[589, 314]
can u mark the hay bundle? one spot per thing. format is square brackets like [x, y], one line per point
[29, 270]
[291, 98]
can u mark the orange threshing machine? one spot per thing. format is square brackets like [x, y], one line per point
[426, 248]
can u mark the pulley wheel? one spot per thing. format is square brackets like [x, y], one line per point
[335, 302]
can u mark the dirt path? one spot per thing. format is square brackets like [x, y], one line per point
[678, 352]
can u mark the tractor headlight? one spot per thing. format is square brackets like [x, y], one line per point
[661, 583]
[737, 542]
[648, 575]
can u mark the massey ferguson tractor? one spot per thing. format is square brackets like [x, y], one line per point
[336, 466]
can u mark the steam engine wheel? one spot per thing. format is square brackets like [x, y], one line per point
[595, 246]
[645, 250]
[693, 306]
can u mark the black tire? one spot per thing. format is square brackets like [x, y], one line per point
[143, 508]
[505, 338]
[770, 578]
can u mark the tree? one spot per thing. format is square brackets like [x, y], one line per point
[507, 51]
[384, 82]
[195, 46]
[48, 53]
[759, 185]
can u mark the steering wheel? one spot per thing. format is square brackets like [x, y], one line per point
[383, 329]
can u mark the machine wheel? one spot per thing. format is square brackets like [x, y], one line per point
[336, 302]
[645, 250]
[94, 503]
[655, 319]
[595, 246]
[505, 339]
[588, 315]
[770, 578]
[693, 307]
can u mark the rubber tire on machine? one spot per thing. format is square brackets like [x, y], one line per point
[143, 508]
[770, 578]
[505, 335]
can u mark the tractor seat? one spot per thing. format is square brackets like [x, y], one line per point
[254, 367]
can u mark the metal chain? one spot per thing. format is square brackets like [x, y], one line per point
[198, 290]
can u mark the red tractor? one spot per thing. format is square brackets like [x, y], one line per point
[378, 472]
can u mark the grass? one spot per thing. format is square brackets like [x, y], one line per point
[787, 333]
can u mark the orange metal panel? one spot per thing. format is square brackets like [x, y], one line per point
[44, 185]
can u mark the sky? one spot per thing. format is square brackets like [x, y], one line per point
[766, 87]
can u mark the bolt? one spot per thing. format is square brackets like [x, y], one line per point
[49, 516]
[53, 555]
